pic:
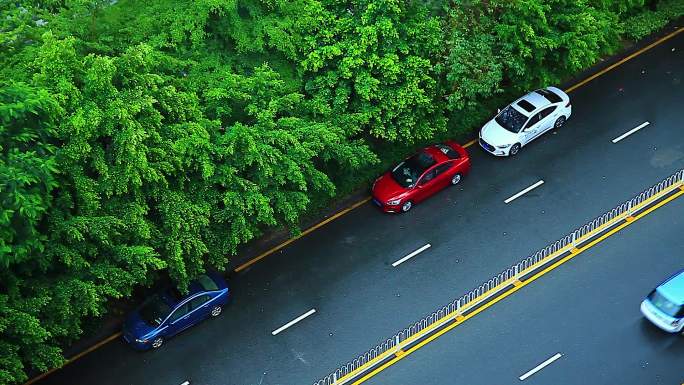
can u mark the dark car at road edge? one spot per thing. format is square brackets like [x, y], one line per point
[168, 313]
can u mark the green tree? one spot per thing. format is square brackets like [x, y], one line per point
[268, 154]
[374, 64]
[27, 180]
[521, 45]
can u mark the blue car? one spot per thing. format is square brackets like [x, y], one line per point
[168, 313]
[665, 305]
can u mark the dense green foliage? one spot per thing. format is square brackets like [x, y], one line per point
[148, 139]
[651, 20]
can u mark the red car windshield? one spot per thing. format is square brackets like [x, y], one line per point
[407, 172]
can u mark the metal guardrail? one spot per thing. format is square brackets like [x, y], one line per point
[456, 308]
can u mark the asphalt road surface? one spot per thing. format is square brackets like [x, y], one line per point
[587, 310]
[344, 270]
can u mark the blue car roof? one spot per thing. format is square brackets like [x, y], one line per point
[673, 288]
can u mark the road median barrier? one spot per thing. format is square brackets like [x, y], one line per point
[510, 280]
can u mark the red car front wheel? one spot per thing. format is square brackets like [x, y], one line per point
[406, 206]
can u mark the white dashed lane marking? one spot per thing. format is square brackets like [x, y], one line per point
[523, 192]
[294, 321]
[540, 366]
[630, 132]
[413, 254]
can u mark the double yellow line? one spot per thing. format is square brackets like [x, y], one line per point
[575, 252]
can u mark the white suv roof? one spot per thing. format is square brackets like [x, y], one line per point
[673, 288]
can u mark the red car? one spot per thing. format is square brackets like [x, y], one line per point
[420, 176]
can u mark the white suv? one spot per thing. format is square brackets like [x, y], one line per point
[524, 120]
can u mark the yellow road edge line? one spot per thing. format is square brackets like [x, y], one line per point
[314, 227]
[452, 315]
[466, 145]
[457, 314]
[74, 358]
[305, 232]
[637, 207]
[470, 143]
[630, 57]
[515, 288]
[512, 281]
[618, 218]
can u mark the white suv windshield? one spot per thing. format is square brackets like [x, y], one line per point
[665, 305]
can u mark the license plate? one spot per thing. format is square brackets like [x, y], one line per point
[486, 146]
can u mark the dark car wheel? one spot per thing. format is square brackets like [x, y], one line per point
[515, 149]
[216, 311]
[456, 179]
[406, 206]
[559, 122]
[157, 343]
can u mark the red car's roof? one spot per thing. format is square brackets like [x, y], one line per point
[436, 153]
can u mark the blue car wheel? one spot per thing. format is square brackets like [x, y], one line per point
[157, 343]
[216, 310]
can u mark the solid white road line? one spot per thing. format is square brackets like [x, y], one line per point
[294, 321]
[630, 132]
[518, 195]
[541, 366]
[413, 254]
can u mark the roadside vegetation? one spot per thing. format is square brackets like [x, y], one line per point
[141, 139]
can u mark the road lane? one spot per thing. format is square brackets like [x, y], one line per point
[343, 269]
[411, 255]
[540, 367]
[630, 132]
[588, 309]
[523, 192]
[293, 322]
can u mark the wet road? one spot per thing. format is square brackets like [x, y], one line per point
[344, 270]
[587, 310]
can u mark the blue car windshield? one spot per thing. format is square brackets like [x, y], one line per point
[665, 305]
[154, 311]
[407, 172]
[511, 119]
